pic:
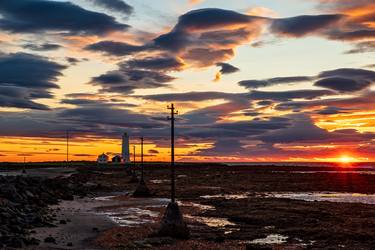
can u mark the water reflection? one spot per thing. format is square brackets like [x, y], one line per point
[327, 196]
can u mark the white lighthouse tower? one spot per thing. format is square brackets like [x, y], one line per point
[125, 148]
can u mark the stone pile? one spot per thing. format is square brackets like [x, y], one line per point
[24, 205]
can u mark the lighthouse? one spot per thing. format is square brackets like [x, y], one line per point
[125, 148]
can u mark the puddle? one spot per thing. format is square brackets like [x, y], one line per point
[132, 216]
[211, 221]
[327, 196]
[227, 196]
[131, 211]
[196, 205]
[159, 181]
[270, 239]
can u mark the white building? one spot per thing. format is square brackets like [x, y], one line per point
[103, 158]
[125, 148]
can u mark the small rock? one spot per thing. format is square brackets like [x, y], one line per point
[50, 239]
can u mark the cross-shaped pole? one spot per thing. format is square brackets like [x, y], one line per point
[172, 119]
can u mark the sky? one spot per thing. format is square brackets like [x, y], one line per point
[253, 80]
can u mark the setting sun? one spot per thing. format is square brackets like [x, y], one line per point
[346, 159]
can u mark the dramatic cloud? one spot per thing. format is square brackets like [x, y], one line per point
[346, 79]
[296, 133]
[42, 47]
[363, 102]
[226, 68]
[302, 25]
[206, 37]
[192, 96]
[114, 5]
[41, 15]
[255, 84]
[115, 48]
[288, 95]
[144, 73]
[341, 80]
[126, 80]
[163, 63]
[24, 77]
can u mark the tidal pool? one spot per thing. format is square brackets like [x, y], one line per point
[327, 196]
[270, 239]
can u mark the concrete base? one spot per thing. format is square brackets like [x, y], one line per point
[142, 190]
[173, 224]
[134, 178]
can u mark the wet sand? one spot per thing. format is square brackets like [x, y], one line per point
[235, 207]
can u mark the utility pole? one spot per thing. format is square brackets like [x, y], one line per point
[173, 224]
[172, 119]
[67, 148]
[134, 158]
[142, 189]
[133, 178]
[142, 158]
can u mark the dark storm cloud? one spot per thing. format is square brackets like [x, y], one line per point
[160, 63]
[126, 80]
[104, 115]
[346, 79]
[143, 73]
[332, 111]
[24, 77]
[42, 47]
[114, 5]
[210, 18]
[359, 34]
[115, 48]
[205, 37]
[212, 114]
[342, 84]
[296, 133]
[192, 96]
[287, 95]
[32, 16]
[27, 70]
[254, 84]
[302, 25]
[100, 119]
[227, 68]
[264, 103]
[364, 101]
[240, 129]
[103, 102]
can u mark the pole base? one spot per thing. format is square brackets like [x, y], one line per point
[142, 190]
[134, 178]
[172, 224]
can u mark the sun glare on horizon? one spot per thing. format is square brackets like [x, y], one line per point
[345, 159]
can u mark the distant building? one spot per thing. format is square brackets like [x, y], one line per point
[103, 158]
[116, 159]
[125, 148]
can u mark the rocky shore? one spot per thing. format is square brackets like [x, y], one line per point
[235, 207]
[24, 205]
